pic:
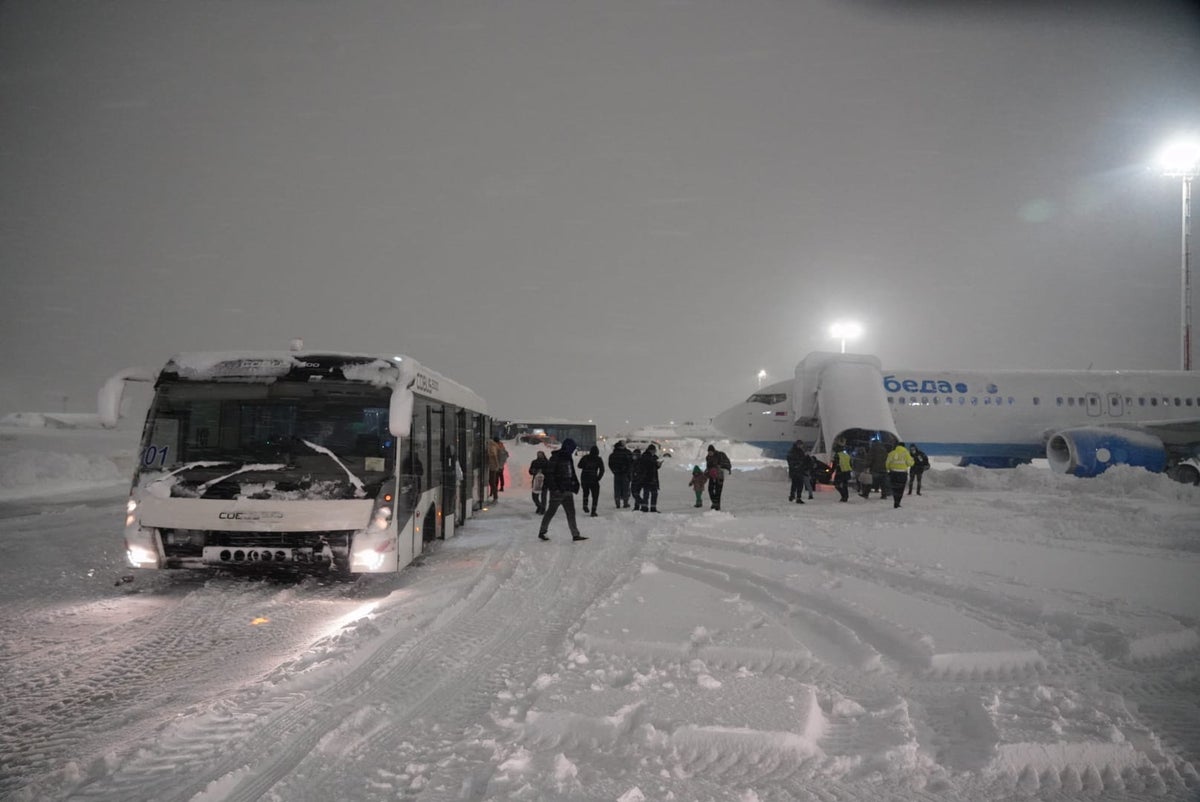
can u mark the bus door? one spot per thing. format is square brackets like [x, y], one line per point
[437, 463]
[449, 476]
[479, 460]
[460, 453]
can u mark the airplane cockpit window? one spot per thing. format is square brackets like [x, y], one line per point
[767, 398]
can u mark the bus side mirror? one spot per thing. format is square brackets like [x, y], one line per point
[108, 400]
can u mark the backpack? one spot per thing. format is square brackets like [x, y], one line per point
[723, 461]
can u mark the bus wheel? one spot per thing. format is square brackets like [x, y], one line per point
[429, 528]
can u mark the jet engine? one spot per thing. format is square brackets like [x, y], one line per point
[1090, 450]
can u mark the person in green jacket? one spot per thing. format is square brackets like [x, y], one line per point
[898, 463]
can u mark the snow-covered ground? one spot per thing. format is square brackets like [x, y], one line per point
[1008, 634]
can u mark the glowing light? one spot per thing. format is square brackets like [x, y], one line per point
[845, 330]
[260, 621]
[139, 556]
[1181, 157]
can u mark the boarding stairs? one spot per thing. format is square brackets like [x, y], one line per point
[843, 396]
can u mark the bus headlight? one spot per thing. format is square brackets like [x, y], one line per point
[140, 556]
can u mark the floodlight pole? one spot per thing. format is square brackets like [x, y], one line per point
[1186, 275]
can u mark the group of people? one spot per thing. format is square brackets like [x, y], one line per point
[888, 470]
[635, 476]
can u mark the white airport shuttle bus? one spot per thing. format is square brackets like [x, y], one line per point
[1081, 421]
[343, 463]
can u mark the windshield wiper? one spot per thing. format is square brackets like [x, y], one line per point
[360, 490]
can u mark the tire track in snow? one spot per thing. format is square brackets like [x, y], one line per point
[276, 729]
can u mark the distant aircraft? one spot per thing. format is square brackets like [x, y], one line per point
[1081, 421]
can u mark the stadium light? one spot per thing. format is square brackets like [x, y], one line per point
[1181, 159]
[845, 330]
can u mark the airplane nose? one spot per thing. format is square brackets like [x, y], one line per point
[729, 424]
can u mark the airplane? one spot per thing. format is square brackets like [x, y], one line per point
[1081, 421]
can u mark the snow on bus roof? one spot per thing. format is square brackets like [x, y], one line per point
[269, 365]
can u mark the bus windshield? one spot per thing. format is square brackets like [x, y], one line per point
[260, 440]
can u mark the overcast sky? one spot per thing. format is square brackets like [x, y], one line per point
[588, 209]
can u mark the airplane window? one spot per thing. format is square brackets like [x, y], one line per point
[974, 400]
[1059, 401]
[1153, 402]
[1093, 401]
[1188, 401]
[1071, 402]
[1141, 402]
[1036, 401]
[1176, 402]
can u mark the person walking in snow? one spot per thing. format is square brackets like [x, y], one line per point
[493, 467]
[591, 471]
[698, 481]
[877, 457]
[649, 465]
[502, 456]
[899, 461]
[843, 468]
[716, 463]
[798, 466]
[537, 469]
[563, 484]
[635, 478]
[920, 465]
[620, 462]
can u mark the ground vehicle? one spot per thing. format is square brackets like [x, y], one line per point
[548, 431]
[640, 445]
[302, 461]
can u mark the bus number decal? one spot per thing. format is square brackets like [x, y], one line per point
[152, 454]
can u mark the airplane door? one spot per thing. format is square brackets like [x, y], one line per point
[1094, 405]
[1116, 405]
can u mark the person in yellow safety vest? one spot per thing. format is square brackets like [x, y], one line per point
[842, 469]
[898, 463]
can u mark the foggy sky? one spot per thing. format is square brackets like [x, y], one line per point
[617, 211]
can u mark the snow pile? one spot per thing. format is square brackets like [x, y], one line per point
[27, 474]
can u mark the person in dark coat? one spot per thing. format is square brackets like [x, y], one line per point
[716, 463]
[620, 462]
[920, 465]
[563, 484]
[649, 464]
[878, 455]
[537, 468]
[591, 471]
[635, 478]
[798, 466]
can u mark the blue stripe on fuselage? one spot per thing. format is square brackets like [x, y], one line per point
[778, 449]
